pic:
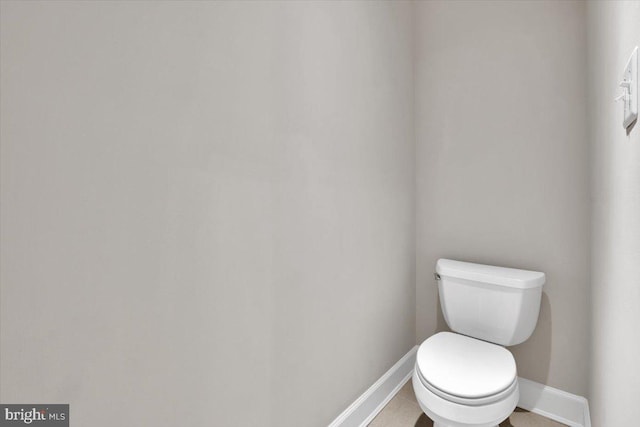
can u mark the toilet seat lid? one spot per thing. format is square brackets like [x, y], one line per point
[464, 366]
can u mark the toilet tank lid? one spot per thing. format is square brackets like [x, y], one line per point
[502, 276]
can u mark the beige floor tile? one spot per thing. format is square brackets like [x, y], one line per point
[407, 391]
[403, 411]
[400, 411]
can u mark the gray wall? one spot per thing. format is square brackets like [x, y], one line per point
[502, 163]
[614, 30]
[207, 208]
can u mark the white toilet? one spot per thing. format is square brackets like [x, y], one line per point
[467, 378]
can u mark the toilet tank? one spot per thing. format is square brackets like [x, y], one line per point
[495, 304]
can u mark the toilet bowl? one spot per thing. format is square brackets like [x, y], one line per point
[466, 378]
[463, 382]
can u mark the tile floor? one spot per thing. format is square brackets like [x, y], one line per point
[403, 411]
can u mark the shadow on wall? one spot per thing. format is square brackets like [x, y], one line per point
[441, 324]
[533, 356]
[531, 365]
[631, 126]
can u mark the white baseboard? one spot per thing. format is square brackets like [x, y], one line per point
[558, 405]
[366, 407]
[540, 399]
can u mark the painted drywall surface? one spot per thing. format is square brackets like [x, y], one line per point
[502, 163]
[614, 30]
[207, 208]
